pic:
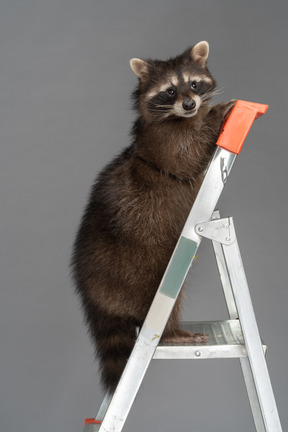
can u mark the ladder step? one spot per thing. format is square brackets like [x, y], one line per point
[225, 341]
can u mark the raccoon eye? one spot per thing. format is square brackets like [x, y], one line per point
[194, 85]
[171, 91]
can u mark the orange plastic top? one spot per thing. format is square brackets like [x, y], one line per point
[236, 126]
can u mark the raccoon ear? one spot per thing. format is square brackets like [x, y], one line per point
[200, 52]
[139, 67]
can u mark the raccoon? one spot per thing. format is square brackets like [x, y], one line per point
[139, 204]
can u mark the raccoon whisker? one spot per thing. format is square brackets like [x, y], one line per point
[212, 93]
[160, 110]
[160, 113]
[162, 118]
[220, 86]
[216, 91]
[163, 106]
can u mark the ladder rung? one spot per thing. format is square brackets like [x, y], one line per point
[225, 341]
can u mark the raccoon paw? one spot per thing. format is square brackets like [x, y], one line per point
[182, 336]
[222, 109]
[228, 107]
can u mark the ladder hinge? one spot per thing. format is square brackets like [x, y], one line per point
[219, 230]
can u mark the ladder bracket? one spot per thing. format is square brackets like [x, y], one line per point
[219, 230]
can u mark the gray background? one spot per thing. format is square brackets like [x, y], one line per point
[64, 112]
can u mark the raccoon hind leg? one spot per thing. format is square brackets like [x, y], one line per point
[172, 332]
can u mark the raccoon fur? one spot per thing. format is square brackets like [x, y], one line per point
[139, 204]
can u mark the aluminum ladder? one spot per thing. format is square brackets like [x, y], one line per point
[237, 337]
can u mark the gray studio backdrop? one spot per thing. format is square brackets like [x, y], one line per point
[64, 111]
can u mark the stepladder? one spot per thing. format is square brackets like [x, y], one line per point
[235, 337]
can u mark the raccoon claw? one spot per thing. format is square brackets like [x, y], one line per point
[183, 336]
[200, 337]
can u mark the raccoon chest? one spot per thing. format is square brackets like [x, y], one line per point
[157, 218]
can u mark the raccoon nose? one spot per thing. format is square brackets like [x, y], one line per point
[188, 104]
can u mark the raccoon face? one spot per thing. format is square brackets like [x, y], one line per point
[175, 88]
[182, 96]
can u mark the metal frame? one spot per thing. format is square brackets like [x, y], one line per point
[246, 345]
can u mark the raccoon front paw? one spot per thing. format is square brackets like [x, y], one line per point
[222, 109]
[228, 107]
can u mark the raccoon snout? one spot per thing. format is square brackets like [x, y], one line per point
[188, 104]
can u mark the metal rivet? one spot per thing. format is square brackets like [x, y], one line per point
[200, 229]
[228, 239]
[197, 353]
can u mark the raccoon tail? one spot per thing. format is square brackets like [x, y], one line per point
[114, 338]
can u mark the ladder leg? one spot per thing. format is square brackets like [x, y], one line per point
[103, 407]
[252, 394]
[256, 358]
[233, 314]
[93, 424]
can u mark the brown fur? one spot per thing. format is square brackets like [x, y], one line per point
[136, 212]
